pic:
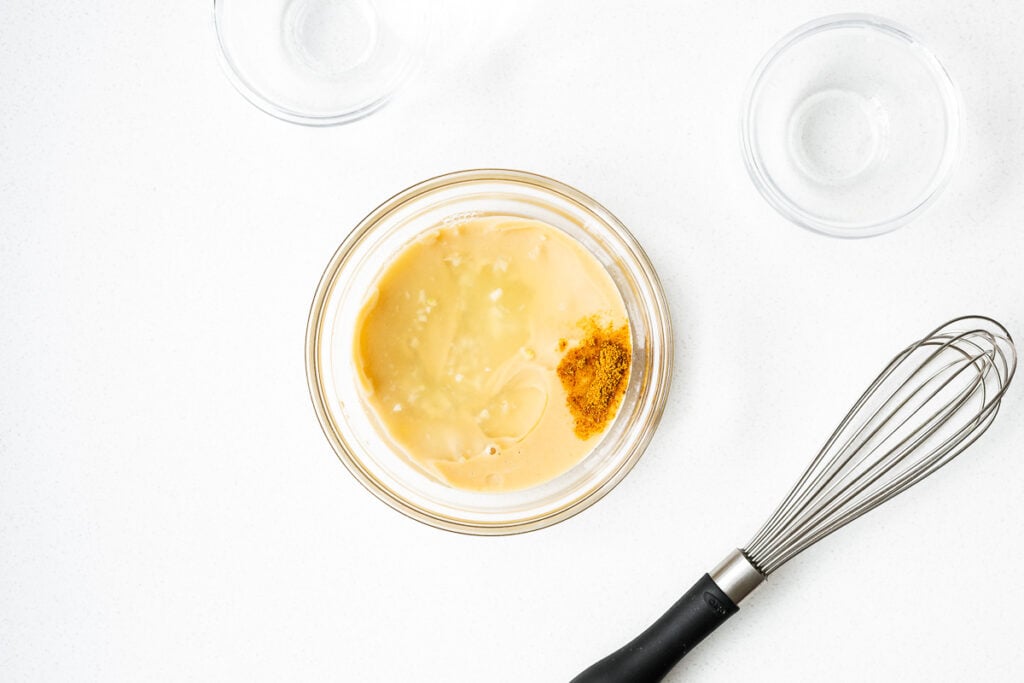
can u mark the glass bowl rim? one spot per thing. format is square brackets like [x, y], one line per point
[269, 106]
[779, 200]
[640, 269]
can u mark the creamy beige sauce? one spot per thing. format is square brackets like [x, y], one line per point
[458, 343]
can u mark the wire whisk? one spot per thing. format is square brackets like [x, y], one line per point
[932, 401]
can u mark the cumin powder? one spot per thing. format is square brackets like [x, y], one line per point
[594, 374]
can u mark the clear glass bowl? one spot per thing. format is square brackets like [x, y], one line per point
[850, 126]
[320, 62]
[334, 386]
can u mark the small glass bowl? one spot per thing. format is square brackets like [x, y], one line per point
[850, 126]
[320, 62]
[352, 272]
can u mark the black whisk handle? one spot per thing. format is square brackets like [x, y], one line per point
[650, 656]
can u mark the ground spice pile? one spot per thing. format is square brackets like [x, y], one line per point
[594, 375]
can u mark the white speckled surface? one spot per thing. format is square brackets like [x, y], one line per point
[169, 509]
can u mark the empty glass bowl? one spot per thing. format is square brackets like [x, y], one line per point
[851, 126]
[320, 62]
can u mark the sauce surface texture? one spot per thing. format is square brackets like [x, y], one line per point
[459, 347]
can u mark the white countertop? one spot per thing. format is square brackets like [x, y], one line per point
[169, 509]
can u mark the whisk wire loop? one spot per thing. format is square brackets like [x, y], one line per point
[932, 401]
